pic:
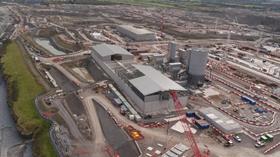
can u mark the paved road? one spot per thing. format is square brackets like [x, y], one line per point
[276, 120]
[69, 75]
[158, 134]
[70, 122]
[99, 139]
[151, 132]
[274, 126]
[59, 67]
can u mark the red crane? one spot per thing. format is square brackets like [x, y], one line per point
[186, 125]
[161, 26]
[111, 152]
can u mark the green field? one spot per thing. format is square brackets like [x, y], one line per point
[155, 3]
[185, 4]
[22, 90]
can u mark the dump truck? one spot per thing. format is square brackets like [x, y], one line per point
[266, 138]
[133, 133]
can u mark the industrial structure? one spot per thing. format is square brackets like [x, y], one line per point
[186, 126]
[177, 150]
[133, 80]
[220, 121]
[137, 34]
[133, 91]
[171, 52]
[187, 65]
[197, 65]
[111, 53]
[194, 60]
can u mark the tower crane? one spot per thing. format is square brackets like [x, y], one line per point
[161, 25]
[186, 125]
[228, 43]
[259, 44]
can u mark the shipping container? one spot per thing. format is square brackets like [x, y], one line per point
[190, 114]
[117, 102]
[260, 110]
[248, 100]
[197, 116]
[110, 95]
[170, 154]
[275, 97]
[176, 151]
[193, 114]
[131, 117]
[137, 118]
[202, 124]
[123, 110]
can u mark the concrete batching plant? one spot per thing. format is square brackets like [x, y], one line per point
[186, 64]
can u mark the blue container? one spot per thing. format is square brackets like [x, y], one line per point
[190, 114]
[201, 124]
[248, 100]
[260, 110]
[197, 117]
[204, 126]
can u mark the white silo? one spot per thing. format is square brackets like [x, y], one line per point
[171, 51]
[197, 65]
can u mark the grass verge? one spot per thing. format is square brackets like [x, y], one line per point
[22, 90]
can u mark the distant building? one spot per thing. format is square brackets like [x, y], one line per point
[275, 51]
[136, 34]
[111, 52]
[145, 86]
[277, 92]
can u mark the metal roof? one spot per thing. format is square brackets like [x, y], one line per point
[153, 81]
[219, 120]
[145, 85]
[108, 50]
[181, 147]
[135, 30]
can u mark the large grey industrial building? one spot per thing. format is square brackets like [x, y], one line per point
[145, 86]
[136, 34]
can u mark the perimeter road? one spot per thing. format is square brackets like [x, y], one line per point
[99, 139]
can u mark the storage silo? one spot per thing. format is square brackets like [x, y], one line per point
[197, 65]
[171, 51]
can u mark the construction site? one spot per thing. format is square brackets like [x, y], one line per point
[148, 82]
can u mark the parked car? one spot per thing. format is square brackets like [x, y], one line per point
[259, 144]
[228, 143]
[237, 138]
